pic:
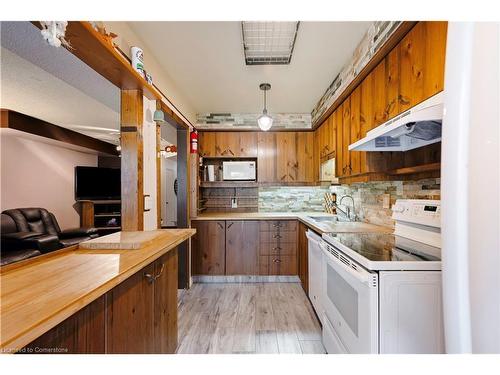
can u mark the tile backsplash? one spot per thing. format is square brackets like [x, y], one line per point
[368, 197]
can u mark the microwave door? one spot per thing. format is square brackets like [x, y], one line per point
[350, 302]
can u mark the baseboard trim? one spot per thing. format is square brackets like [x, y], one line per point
[245, 279]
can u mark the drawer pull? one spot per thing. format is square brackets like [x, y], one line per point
[276, 236]
[277, 248]
[277, 260]
[149, 277]
[277, 225]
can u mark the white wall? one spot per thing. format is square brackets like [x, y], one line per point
[127, 38]
[149, 164]
[38, 174]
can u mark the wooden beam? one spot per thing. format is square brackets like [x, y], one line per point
[158, 176]
[393, 40]
[100, 54]
[132, 174]
[19, 121]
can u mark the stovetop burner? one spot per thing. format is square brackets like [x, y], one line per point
[382, 247]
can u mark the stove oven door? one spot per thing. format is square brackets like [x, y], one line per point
[350, 304]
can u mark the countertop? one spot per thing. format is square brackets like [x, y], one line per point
[304, 217]
[41, 292]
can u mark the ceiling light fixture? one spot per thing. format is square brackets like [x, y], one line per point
[269, 42]
[265, 121]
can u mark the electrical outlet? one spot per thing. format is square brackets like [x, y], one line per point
[386, 201]
[234, 203]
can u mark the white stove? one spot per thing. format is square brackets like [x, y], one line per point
[381, 293]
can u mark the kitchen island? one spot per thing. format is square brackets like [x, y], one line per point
[95, 300]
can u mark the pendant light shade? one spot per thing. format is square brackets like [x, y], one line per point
[265, 121]
[159, 116]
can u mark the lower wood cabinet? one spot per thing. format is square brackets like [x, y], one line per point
[242, 247]
[208, 248]
[137, 316]
[245, 247]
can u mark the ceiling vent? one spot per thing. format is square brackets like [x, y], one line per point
[269, 43]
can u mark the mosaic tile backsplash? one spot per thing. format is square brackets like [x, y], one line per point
[245, 121]
[368, 197]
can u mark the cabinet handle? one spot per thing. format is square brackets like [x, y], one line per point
[229, 225]
[220, 225]
[277, 236]
[149, 277]
[277, 225]
[161, 271]
[291, 176]
[277, 248]
[277, 260]
[230, 152]
[283, 177]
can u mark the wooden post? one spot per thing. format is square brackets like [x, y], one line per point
[158, 175]
[132, 175]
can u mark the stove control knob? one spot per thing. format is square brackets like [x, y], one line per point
[398, 209]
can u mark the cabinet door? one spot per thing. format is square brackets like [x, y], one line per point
[355, 156]
[81, 333]
[130, 312]
[316, 156]
[165, 293]
[208, 248]
[303, 258]
[206, 144]
[365, 117]
[242, 247]
[339, 143]
[248, 145]
[379, 95]
[286, 163]
[227, 143]
[346, 137]
[305, 157]
[392, 83]
[267, 157]
[332, 136]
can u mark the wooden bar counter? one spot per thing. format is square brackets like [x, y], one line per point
[95, 300]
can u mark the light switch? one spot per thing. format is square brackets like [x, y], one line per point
[234, 203]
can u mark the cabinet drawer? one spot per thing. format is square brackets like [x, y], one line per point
[275, 237]
[283, 265]
[278, 225]
[287, 248]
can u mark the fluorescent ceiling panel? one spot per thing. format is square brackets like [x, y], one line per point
[268, 43]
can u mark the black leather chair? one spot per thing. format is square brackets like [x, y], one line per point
[16, 246]
[42, 222]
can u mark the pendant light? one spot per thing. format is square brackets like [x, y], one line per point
[265, 121]
[158, 116]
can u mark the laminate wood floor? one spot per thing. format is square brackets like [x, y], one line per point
[247, 318]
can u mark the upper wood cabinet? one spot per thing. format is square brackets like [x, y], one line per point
[422, 58]
[346, 137]
[267, 157]
[230, 144]
[304, 171]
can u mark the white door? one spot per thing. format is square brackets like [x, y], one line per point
[171, 198]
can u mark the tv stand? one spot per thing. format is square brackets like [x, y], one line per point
[104, 215]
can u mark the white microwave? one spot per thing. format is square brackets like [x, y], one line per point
[239, 171]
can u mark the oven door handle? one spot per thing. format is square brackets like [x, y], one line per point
[362, 275]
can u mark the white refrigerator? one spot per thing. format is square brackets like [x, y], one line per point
[470, 189]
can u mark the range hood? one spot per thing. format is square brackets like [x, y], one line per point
[419, 126]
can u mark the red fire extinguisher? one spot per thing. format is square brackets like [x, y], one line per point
[194, 141]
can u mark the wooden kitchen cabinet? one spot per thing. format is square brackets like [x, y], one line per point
[346, 137]
[129, 315]
[242, 247]
[81, 333]
[278, 248]
[206, 144]
[141, 312]
[267, 157]
[355, 133]
[379, 96]
[339, 154]
[165, 314]
[208, 248]
[287, 163]
[304, 171]
[228, 144]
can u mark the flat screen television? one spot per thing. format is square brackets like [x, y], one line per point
[94, 183]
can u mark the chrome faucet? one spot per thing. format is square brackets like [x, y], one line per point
[347, 212]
